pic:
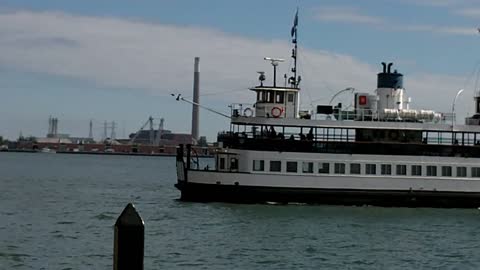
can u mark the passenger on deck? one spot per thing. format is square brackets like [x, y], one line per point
[273, 133]
[292, 138]
[310, 135]
[264, 132]
[302, 136]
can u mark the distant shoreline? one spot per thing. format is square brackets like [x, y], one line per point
[100, 153]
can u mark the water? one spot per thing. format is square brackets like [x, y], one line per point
[57, 212]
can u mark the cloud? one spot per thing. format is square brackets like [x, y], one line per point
[355, 16]
[446, 30]
[468, 12]
[435, 3]
[465, 31]
[440, 3]
[158, 59]
[345, 15]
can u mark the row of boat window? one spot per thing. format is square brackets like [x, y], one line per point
[369, 168]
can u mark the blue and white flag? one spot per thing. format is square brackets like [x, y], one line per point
[295, 23]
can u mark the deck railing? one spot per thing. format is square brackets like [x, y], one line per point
[365, 115]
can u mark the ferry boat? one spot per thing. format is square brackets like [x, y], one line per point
[380, 152]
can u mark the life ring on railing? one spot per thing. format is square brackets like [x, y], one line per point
[277, 111]
[248, 112]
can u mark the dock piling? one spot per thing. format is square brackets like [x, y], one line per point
[129, 240]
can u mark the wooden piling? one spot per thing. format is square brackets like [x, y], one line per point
[129, 240]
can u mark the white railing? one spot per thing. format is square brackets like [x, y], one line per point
[365, 115]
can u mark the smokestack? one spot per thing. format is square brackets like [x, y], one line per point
[196, 99]
[90, 131]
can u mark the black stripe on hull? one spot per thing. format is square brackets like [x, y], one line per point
[388, 198]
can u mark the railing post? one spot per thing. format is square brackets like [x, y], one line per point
[129, 240]
[189, 151]
[180, 153]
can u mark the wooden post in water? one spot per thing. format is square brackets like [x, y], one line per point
[129, 240]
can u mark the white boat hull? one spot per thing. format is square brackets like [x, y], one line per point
[248, 188]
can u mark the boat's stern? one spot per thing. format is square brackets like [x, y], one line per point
[181, 168]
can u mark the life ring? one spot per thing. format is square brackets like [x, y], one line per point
[276, 112]
[248, 112]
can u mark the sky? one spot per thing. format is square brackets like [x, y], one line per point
[119, 60]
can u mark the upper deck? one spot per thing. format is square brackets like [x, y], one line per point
[388, 108]
[350, 124]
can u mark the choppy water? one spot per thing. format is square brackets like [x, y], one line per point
[57, 212]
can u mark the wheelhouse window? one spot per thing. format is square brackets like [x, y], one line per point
[355, 168]
[475, 172]
[461, 171]
[339, 168]
[401, 170]
[371, 168]
[416, 170]
[270, 96]
[275, 166]
[290, 97]
[324, 167]
[307, 167]
[279, 97]
[292, 166]
[259, 165]
[431, 170]
[262, 96]
[222, 163]
[233, 164]
[386, 169]
[446, 171]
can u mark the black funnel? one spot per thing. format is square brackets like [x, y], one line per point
[386, 79]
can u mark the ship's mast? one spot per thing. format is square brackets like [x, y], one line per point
[294, 81]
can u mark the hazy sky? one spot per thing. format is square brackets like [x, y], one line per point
[114, 60]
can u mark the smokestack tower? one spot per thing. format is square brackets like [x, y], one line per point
[90, 131]
[196, 99]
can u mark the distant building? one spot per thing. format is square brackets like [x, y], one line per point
[150, 137]
[202, 141]
[176, 139]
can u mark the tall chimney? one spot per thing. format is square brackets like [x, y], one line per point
[90, 131]
[196, 99]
